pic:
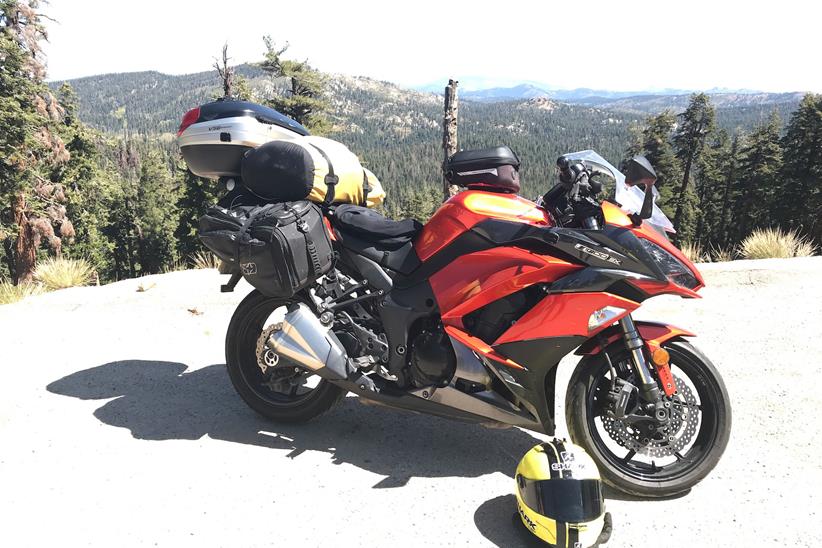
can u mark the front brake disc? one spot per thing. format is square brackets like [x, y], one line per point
[665, 441]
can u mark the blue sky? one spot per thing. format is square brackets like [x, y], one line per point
[608, 45]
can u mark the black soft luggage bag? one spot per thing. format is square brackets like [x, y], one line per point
[279, 248]
[492, 169]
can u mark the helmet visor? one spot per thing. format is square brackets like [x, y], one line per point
[568, 500]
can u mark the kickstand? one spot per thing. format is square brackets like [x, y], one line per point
[232, 283]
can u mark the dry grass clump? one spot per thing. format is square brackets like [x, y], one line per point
[719, 255]
[60, 273]
[204, 260]
[805, 248]
[694, 252]
[10, 293]
[774, 243]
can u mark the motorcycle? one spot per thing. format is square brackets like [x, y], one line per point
[468, 317]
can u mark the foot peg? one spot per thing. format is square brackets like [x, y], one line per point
[362, 381]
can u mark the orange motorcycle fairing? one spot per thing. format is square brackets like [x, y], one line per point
[480, 278]
[654, 334]
[566, 314]
[464, 210]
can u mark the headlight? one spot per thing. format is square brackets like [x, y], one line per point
[671, 266]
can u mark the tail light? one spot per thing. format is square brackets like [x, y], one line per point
[189, 118]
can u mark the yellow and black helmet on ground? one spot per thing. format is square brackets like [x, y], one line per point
[559, 496]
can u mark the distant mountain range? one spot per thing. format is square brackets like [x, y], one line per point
[645, 102]
[656, 103]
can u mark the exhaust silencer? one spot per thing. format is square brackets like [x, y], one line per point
[307, 343]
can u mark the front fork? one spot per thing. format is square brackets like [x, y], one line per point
[648, 389]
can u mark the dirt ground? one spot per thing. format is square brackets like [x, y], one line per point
[119, 427]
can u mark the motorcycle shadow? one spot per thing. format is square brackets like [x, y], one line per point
[159, 400]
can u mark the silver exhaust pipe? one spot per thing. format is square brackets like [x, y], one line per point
[305, 342]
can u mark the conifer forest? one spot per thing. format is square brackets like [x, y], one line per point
[90, 168]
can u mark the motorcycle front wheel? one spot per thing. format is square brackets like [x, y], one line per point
[641, 458]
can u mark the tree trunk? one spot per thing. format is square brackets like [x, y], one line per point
[25, 252]
[8, 247]
[449, 134]
[225, 73]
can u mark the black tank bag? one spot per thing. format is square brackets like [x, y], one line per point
[279, 248]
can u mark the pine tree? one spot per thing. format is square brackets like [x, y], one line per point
[155, 215]
[708, 187]
[729, 172]
[635, 141]
[121, 230]
[304, 99]
[759, 185]
[31, 206]
[802, 199]
[87, 187]
[657, 148]
[697, 123]
[197, 194]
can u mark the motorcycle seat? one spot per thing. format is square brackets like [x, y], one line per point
[366, 224]
[387, 242]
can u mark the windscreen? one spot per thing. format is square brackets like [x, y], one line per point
[630, 198]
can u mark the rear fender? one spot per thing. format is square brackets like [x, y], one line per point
[653, 333]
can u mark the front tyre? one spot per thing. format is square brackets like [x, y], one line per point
[282, 394]
[638, 458]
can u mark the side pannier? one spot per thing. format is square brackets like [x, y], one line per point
[278, 248]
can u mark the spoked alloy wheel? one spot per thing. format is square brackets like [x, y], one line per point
[640, 457]
[265, 382]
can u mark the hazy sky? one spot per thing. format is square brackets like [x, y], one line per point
[618, 45]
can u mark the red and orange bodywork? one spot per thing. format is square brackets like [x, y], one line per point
[476, 279]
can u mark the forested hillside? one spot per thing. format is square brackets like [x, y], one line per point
[153, 102]
[90, 168]
[397, 131]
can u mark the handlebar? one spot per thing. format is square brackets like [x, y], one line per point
[573, 197]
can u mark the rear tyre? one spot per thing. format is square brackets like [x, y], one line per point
[290, 396]
[622, 464]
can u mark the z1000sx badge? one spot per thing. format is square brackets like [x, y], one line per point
[598, 254]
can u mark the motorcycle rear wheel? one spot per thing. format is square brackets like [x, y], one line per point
[628, 473]
[300, 404]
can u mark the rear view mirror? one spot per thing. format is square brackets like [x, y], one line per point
[638, 171]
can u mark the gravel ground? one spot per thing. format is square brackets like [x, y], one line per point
[119, 427]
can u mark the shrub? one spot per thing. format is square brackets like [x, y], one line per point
[694, 252]
[176, 265]
[10, 293]
[205, 259]
[62, 273]
[804, 248]
[772, 243]
[719, 255]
